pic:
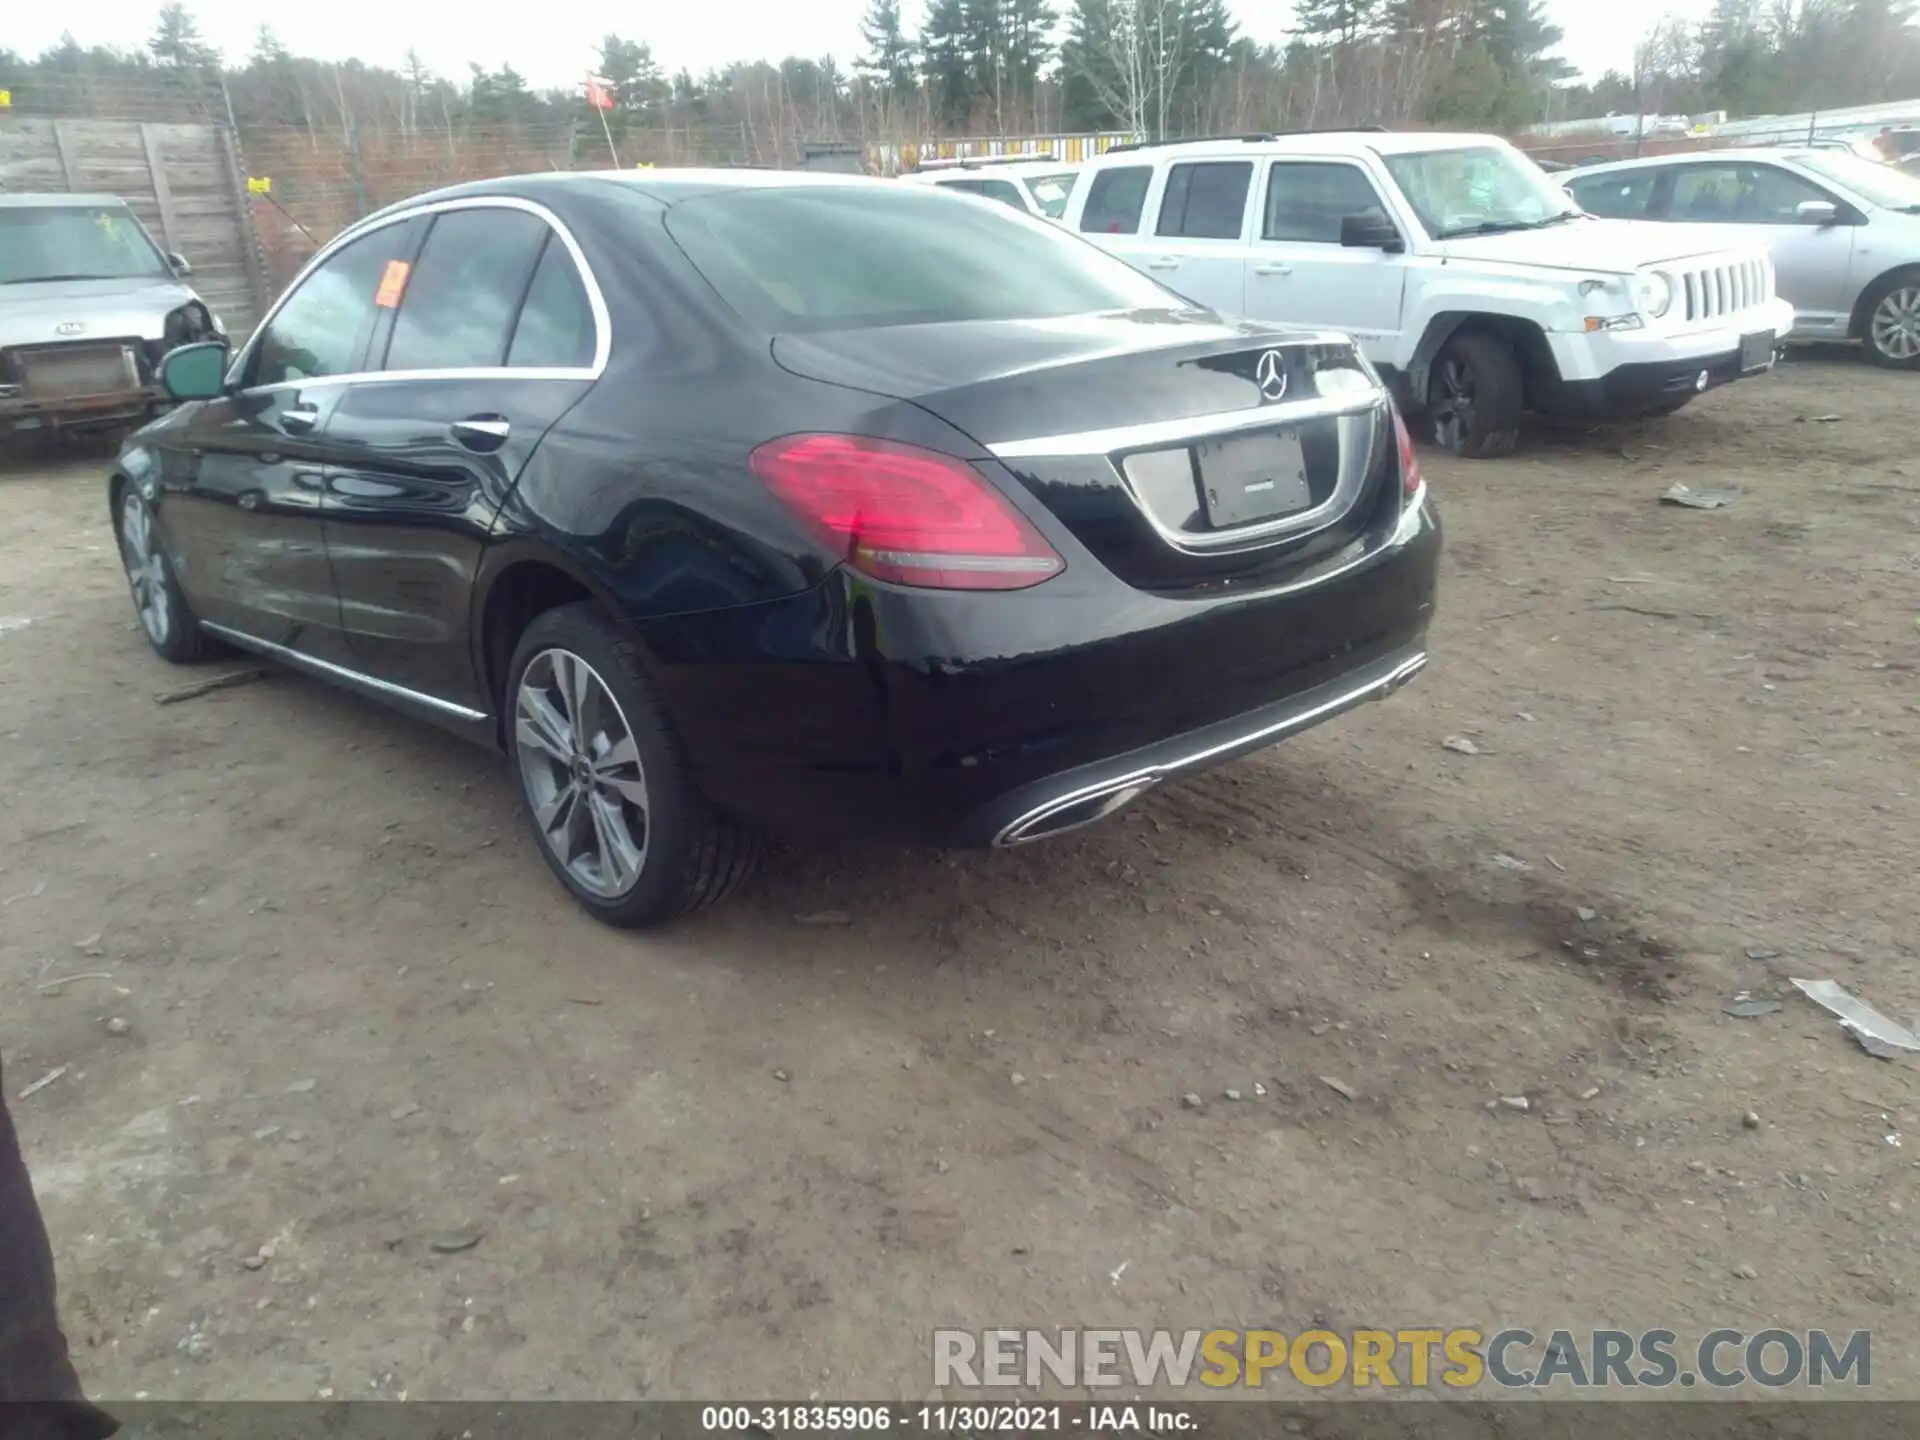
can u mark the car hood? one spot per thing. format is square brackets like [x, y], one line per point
[44, 312]
[1609, 247]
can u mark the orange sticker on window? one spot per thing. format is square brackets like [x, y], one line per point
[393, 284]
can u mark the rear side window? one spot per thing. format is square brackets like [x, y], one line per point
[823, 257]
[1000, 190]
[460, 301]
[556, 324]
[1115, 199]
[1617, 197]
[324, 325]
[1307, 201]
[1739, 194]
[1206, 201]
[1050, 193]
[1004, 191]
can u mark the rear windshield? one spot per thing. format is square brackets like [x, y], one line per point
[74, 242]
[832, 258]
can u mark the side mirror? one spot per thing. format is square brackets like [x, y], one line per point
[195, 372]
[1372, 231]
[1817, 212]
[177, 263]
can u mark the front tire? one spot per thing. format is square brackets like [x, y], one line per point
[604, 782]
[1475, 395]
[165, 617]
[1890, 324]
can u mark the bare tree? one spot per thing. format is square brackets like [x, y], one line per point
[1134, 61]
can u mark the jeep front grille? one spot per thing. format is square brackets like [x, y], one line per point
[1716, 290]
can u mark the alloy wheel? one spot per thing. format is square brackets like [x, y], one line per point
[1451, 403]
[581, 769]
[1895, 327]
[146, 569]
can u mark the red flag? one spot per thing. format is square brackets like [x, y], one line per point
[599, 95]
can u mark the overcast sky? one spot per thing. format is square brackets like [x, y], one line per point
[552, 42]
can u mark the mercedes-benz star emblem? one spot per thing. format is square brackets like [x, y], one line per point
[1270, 374]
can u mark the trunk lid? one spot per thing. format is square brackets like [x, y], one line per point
[1186, 452]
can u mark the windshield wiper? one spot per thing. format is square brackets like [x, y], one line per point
[1502, 227]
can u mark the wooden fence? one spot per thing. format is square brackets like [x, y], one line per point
[183, 181]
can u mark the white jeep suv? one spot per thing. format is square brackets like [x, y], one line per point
[1458, 266]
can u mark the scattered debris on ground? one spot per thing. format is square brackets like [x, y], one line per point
[209, 687]
[1875, 1032]
[1683, 494]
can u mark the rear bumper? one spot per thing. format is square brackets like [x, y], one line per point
[1088, 793]
[866, 711]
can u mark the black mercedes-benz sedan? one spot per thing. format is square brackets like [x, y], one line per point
[728, 503]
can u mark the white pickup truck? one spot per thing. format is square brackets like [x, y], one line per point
[1464, 273]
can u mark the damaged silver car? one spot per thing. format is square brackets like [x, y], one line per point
[88, 305]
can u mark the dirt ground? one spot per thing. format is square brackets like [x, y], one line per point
[763, 1155]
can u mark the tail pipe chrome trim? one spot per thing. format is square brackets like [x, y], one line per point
[1095, 802]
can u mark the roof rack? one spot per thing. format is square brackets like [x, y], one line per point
[1254, 139]
[969, 162]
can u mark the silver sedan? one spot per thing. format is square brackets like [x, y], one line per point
[1844, 231]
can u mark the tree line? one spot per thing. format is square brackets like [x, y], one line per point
[1162, 67]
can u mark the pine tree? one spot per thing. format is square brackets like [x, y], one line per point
[632, 75]
[176, 39]
[888, 62]
[1087, 79]
[1209, 49]
[1029, 41]
[1520, 39]
[945, 61]
[1339, 23]
[267, 49]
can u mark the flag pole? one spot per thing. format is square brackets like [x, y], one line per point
[607, 130]
[600, 99]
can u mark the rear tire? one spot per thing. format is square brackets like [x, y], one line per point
[604, 782]
[1475, 396]
[1890, 321]
[165, 617]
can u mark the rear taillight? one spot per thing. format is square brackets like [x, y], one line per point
[1409, 462]
[900, 513]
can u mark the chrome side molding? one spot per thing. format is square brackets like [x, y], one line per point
[327, 670]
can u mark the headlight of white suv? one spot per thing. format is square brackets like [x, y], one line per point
[1653, 293]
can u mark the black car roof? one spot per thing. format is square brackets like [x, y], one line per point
[665, 187]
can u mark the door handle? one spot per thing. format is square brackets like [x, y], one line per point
[1273, 268]
[482, 434]
[1165, 262]
[299, 419]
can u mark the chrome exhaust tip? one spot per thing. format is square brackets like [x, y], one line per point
[1071, 812]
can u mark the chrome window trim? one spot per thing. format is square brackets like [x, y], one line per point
[596, 302]
[328, 670]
